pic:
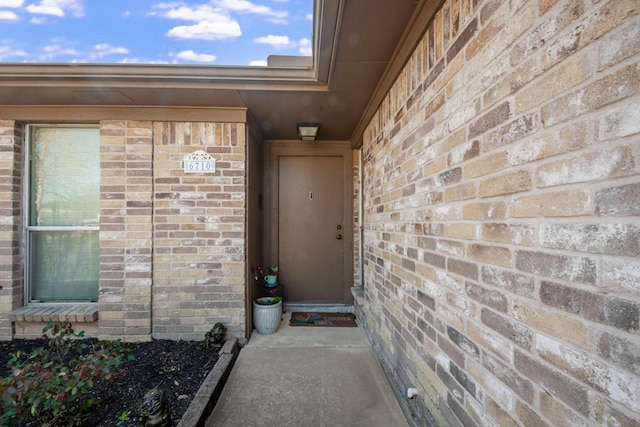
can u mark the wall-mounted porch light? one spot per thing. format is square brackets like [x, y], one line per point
[308, 131]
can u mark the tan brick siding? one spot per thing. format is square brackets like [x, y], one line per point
[126, 235]
[172, 245]
[11, 272]
[501, 233]
[199, 231]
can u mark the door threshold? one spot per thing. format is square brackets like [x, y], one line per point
[320, 306]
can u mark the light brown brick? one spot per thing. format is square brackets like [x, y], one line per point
[561, 80]
[546, 320]
[556, 204]
[607, 163]
[613, 87]
[620, 122]
[547, 28]
[484, 211]
[613, 383]
[610, 15]
[485, 165]
[520, 234]
[462, 230]
[570, 138]
[513, 182]
[495, 255]
[559, 385]
[558, 413]
[624, 43]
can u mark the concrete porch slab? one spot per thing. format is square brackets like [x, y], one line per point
[307, 376]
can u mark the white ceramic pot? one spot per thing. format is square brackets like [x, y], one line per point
[266, 318]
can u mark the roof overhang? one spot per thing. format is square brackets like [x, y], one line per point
[358, 46]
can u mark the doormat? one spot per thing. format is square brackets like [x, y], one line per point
[344, 320]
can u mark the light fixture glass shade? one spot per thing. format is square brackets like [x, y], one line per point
[308, 131]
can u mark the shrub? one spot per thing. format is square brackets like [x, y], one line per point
[52, 386]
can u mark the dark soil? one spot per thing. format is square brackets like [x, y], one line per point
[178, 367]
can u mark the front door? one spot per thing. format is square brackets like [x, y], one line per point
[311, 232]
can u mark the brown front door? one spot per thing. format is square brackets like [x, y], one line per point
[311, 233]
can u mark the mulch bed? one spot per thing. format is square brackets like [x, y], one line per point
[178, 367]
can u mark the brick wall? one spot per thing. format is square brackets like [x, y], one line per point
[11, 272]
[199, 271]
[172, 245]
[126, 229]
[357, 267]
[501, 232]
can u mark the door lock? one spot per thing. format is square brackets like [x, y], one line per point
[339, 237]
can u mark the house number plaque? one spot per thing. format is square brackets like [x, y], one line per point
[199, 162]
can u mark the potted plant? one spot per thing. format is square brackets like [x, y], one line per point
[267, 314]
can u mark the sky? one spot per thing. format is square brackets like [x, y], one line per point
[203, 32]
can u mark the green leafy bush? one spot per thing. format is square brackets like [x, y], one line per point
[52, 386]
[268, 300]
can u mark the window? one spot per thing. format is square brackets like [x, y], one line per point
[63, 214]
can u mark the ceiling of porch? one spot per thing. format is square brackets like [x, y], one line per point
[359, 48]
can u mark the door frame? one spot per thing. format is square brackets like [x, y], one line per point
[273, 150]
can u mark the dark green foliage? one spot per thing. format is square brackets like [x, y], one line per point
[52, 386]
[215, 337]
[123, 418]
[154, 410]
[270, 301]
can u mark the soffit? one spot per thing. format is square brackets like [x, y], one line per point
[357, 40]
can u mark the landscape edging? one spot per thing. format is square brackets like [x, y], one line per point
[209, 392]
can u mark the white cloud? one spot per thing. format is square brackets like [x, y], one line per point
[190, 55]
[280, 42]
[55, 50]
[245, 6]
[11, 3]
[8, 52]
[206, 31]
[258, 63]
[7, 15]
[305, 48]
[196, 14]
[213, 21]
[275, 41]
[105, 49]
[45, 10]
[140, 61]
[57, 8]
[209, 24]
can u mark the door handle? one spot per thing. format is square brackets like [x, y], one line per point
[339, 237]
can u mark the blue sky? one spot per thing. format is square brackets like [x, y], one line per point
[205, 32]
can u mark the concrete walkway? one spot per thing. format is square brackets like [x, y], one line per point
[307, 376]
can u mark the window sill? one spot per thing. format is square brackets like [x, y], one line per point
[76, 313]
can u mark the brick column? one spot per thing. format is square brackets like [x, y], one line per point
[11, 272]
[126, 233]
[199, 231]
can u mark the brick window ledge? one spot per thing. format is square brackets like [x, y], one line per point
[76, 313]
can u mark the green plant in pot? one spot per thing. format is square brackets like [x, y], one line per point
[268, 300]
[267, 314]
